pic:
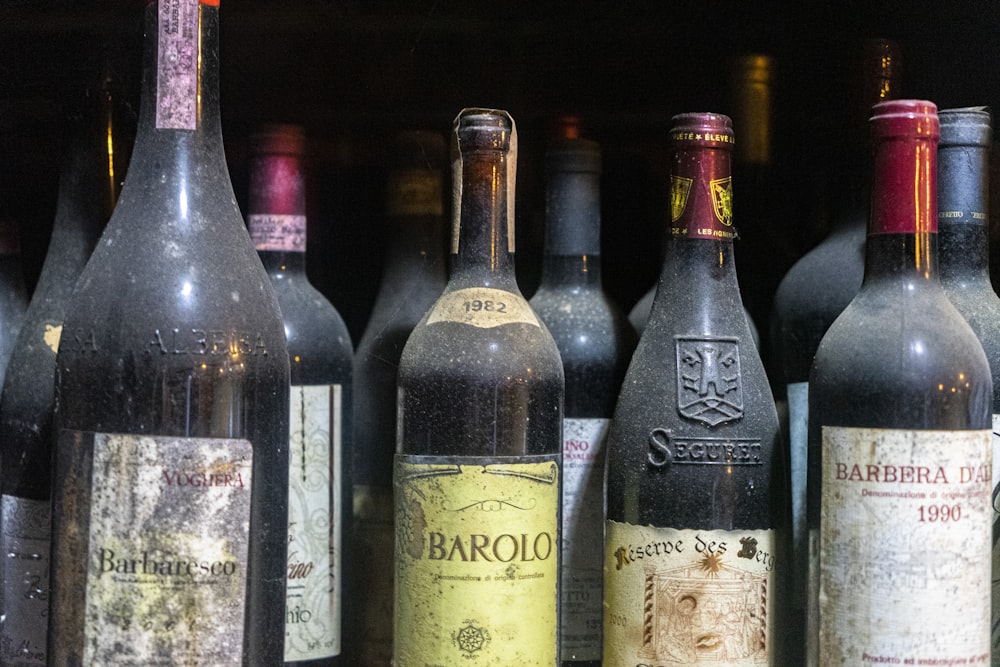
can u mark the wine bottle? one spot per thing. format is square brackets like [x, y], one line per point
[809, 298]
[694, 474]
[170, 484]
[479, 426]
[899, 427]
[595, 342]
[413, 278]
[320, 358]
[14, 295]
[963, 246]
[87, 192]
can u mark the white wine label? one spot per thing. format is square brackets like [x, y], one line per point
[688, 597]
[477, 553]
[177, 65]
[24, 573]
[312, 611]
[279, 233]
[168, 537]
[414, 192]
[583, 532]
[995, 641]
[374, 536]
[482, 307]
[904, 547]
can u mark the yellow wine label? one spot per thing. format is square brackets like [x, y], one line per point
[414, 192]
[477, 561]
[482, 307]
[51, 336]
[688, 597]
[905, 547]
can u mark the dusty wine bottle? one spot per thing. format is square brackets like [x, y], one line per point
[963, 246]
[694, 485]
[170, 485]
[899, 425]
[413, 278]
[476, 474]
[595, 342]
[86, 196]
[320, 359]
[810, 297]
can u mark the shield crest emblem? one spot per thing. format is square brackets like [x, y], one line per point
[709, 389]
[680, 190]
[722, 200]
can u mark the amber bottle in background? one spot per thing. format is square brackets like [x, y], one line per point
[899, 434]
[595, 342]
[320, 359]
[479, 428]
[92, 166]
[413, 278]
[170, 481]
[695, 499]
[811, 296]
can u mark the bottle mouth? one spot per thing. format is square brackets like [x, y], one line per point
[484, 129]
[710, 130]
[573, 155]
[968, 126]
[279, 139]
[905, 118]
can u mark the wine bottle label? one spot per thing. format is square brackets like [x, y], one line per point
[279, 233]
[374, 536]
[904, 547]
[24, 573]
[686, 597]
[414, 192]
[995, 443]
[51, 336]
[312, 614]
[477, 553]
[166, 522]
[482, 307]
[583, 532]
[177, 66]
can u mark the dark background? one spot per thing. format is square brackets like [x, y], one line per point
[354, 72]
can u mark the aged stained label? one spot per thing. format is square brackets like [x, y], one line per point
[482, 307]
[315, 530]
[995, 443]
[26, 531]
[373, 530]
[688, 597]
[709, 387]
[278, 233]
[904, 546]
[169, 522]
[177, 65]
[477, 554]
[582, 534]
[413, 192]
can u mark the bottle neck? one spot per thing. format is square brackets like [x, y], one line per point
[572, 230]
[483, 232]
[963, 212]
[902, 224]
[178, 153]
[276, 209]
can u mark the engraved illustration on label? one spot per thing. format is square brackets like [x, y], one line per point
[904, 546]
[476, 561]
[313, 609]
[278, 233]
[482, 307]
[26, 529]
[414, 192]
[680, 190]
[168, 539]
[177, 66]
[708, 380]
[582, 533]
[722, 199]
[669, 449]
[688, 597]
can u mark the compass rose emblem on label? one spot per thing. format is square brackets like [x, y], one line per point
[680, 189]
[722, 199]
[708, 380]
[470, 638]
